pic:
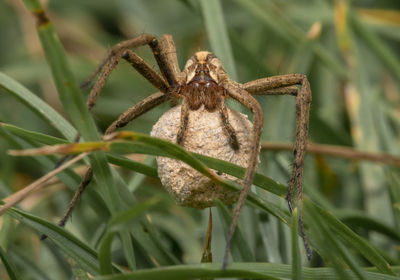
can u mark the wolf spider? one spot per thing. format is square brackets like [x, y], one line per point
[204, 82]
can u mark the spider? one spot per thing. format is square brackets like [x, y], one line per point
[204, 83]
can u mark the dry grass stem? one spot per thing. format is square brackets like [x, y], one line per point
[336, 151]
[20, 195]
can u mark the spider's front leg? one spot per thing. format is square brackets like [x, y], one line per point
[164, 52]
[135, 111]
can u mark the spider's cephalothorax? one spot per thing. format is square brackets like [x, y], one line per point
[203, 73]
[204, 82]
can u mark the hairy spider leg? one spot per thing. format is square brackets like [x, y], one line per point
[163, 58]
[251, 103]
[286, 85]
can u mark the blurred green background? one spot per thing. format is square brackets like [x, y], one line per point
[350, 51]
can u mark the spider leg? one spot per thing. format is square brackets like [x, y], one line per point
[303, 99]
[233, 142]
[135, 111]
[163, 57]
[287, 90]
[183, 122]
[87, 178]
[145, 70]
[251, 103]
[283, 85]
[168, 48]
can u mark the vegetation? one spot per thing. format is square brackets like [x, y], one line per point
[126, 226]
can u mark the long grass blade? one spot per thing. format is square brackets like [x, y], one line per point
[235, 270]
[218, 34]
[38, 106]
[72, 246]
[240, 249]
[296, 259]
[10, 268]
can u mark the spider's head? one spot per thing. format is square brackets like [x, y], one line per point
[204, 72]
[203, 67]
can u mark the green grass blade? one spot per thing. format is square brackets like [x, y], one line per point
[73, 247]
[218, 35]
[128, 249]
[123, 218]
[72, 100]
[105, 261]
[394, 191]
[359, 219]
[296, 259]
[356, 241]
[139, 178]
[50, 140]
[69, 177]
[33, 136]
[331, 250]
[377, 46]
[171, 150]
[240, 249]
[133, 165]
[77, 271]
[150, 242]
[10, 268]
[29, 265]
[268, 15]
[67, 87]
[7, 229]
[38, 106]
[118, 222]
[235, 270]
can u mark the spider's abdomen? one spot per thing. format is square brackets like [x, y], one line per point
[207, 93]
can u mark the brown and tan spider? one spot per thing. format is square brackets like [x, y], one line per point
[205, 84]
